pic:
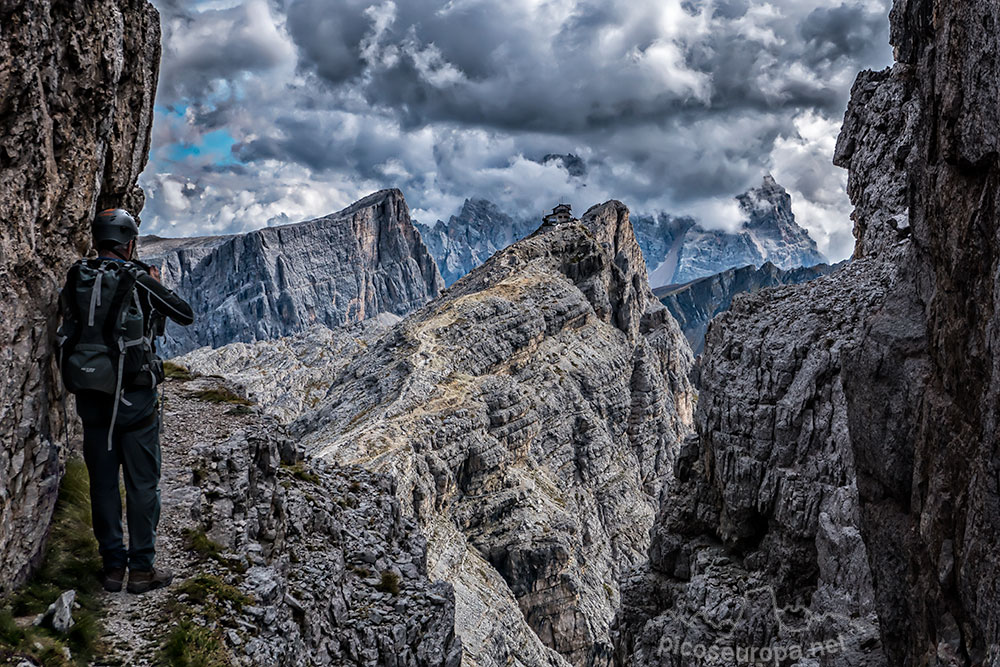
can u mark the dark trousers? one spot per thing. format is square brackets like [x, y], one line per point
[135, 448]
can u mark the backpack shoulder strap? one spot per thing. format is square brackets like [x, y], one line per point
[119, 302]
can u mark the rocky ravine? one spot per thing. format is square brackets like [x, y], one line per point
[843, 487]
[339, 269]
[76, 105]
[529, 417]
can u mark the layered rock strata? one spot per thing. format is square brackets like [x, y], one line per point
[343, 268]
[845, 464]
[77, 82]
[529, 416]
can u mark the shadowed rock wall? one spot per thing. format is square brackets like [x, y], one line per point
[77, 82]
[844, 482]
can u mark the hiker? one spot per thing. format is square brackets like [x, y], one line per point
[113, 307]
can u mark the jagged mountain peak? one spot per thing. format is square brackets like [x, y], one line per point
[363, 260]
[470, 393]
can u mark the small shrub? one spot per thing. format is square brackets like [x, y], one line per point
[175, 371]
[205, 589]
[298, 471]
[208, 549]
[219, 395]
[389, 583]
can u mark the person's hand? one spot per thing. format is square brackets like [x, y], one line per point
[154, 271]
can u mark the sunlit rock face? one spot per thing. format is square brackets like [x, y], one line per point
[340, 269]
[529, 416]
[76, 107]
[842, 486]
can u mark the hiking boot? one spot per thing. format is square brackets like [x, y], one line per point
[112, 578]
[141, 581]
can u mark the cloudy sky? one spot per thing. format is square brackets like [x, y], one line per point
[283, 110]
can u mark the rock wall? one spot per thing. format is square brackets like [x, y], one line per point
[842, 491]
[339, 269]
[337, 575]
[930, 490]
[77, 82]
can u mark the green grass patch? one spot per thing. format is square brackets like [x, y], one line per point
[193, 645]
[389, 583]
[208, 549]
[219, 395]
[298, 471]
[197, 639]
[71, 562]
[240, 410]
[210, 590]
[176, 371]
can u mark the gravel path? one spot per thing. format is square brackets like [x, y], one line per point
[134, 625]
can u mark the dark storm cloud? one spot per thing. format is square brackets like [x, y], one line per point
[215, 46]
[573, 165]
[667, 105]
[844, 32]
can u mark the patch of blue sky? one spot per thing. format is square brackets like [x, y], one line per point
[215, 147]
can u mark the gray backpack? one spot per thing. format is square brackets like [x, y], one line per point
[104, 344]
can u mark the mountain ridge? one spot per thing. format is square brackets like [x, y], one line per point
[341, 268]
[676, 249]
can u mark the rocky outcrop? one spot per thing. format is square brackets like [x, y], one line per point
[343, 268]
[529, 417]
[470, 238]
[694, 304]
[845, 463]
[679, 250]
[336, 575]
[76, 103]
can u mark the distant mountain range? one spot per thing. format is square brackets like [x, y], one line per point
[694, 304]
[676, 249]
[473, 236]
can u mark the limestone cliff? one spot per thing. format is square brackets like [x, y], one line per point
[529, 416]
[343, 268]
[842, 489]
[77, 82]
